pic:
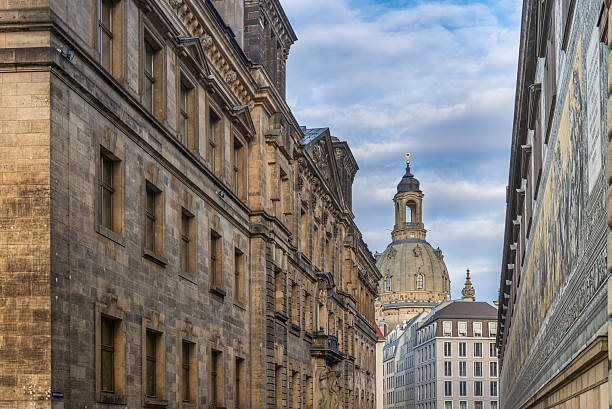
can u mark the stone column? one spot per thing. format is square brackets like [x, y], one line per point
[607, 37]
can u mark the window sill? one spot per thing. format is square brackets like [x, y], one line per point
[154, 257]
[188, 277]
[240, 304]
[218, 292]
[112, 399]
[295, 329]
[280, 316]
[111, 235]
[155, 403]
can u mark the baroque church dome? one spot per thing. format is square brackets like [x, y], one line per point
[415, 278]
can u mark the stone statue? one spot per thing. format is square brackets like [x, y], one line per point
[334, 390]
[323, 388]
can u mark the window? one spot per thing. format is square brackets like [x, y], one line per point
[448, 404]
[295, 386]
[477, 329]
[493, 388]
[304, 233]
[188, 372]
[447, 328]
[492, 350]
[478, 349]
[463, 405]
[462, 388]
[493, 404]
[307, 312]
[295, 303]
[153, 219]
[187, 245]
[447, 349]
[216, 378]
[186, 112]
[477, 368]
[238, 164]
[419, 281]
[462, 327]
[239, 379]
[238, 275]
[108, 357]
[462, 349]
[214, 139]
[448, 368]
[149, 76]
[110, 191]
[462, 368]
[154, 364]
[493, 369]
[215, 260]
[105, 36]
[477, 388]
[492, 329]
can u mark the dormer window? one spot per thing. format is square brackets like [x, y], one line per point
[420, 281]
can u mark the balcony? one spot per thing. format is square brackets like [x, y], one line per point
[326, 346]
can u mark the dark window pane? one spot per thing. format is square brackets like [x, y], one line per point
[151, 378]
[184, 256]
[150, 235]
[105, 12]
[107, 370]
[105, 50]
[107, 208]
[185, 372]
[149, 59]
[107, 171]
[151, 202]
[183, 127]
[108, 329]
[148, 94]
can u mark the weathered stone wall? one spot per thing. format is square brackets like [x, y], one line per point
[25, 263]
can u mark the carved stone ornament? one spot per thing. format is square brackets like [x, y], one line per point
[175, 3]
[323, 296]
[206, 40]
[231, 76]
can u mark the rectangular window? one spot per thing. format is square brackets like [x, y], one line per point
[462, 388]
[152, 373]
[238, 164]
[308, 312]
[493, 388]
[295, 303]
[448, 404]
[462, 368]
[214, 139]
[107, 189]
[492, 350]
[477, 368]
[493, 369]
[184, 116]
[149, 75]
[295, 386]
[493, 404]
[477, 388]
[447, 349]
[447, 328]
[238, 275]
[215, 260]
[216, 376]
[492, 329]
[187, 246]
[478, 404]
[105, 33]
[187, 371]
[477, 329]
[463, 404]
[478, 349]
[239, 378]
[107, 351]
[448, 388]
[152, 219]
[462, 349]
[448, 368]
[462, 329]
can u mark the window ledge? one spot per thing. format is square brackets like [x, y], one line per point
[155, 403]
[240, 304]
[154, 257]
[295, 329]
[282, 317]
[218, 292]
[112, 399]
[188, 277]
[111, 235]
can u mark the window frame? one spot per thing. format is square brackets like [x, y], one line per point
[109, 151]
[215, 261]
[190, 112]
[111, 311]
[214, 138]
[239, 275]
[158, 76]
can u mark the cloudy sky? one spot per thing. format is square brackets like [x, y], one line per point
[434, 78]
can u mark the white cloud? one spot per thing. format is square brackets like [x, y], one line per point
[434, 78]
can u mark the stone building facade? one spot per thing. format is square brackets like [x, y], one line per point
[554, 309]
[169, 235]
[415, 278]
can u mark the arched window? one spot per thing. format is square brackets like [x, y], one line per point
[419, 281]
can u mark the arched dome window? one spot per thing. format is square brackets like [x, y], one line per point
[419, 281]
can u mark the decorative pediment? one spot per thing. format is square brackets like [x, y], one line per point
[242, 116]
[198, 55]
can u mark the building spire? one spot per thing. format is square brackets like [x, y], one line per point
[468, 293]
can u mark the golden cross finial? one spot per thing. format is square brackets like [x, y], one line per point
[407, 159]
